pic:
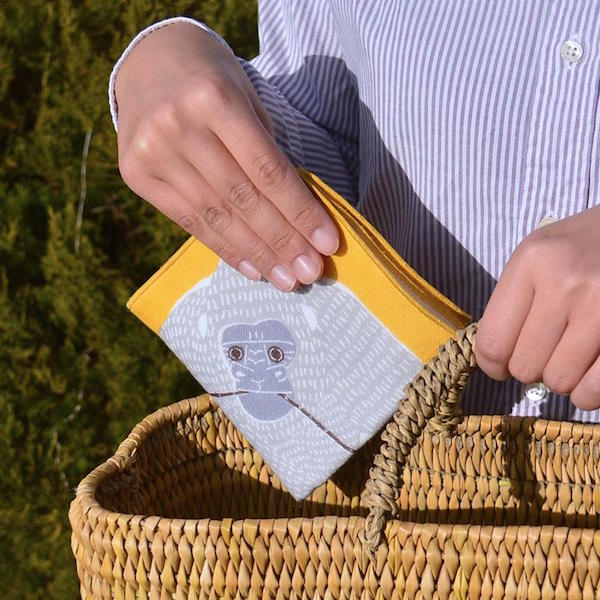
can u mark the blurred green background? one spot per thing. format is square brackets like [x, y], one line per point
[77, 371]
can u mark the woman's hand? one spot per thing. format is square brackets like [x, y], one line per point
[196, 142]
[542, 322]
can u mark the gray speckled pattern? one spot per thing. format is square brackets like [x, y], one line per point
[347, 369]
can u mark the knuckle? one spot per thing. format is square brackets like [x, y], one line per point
[533, 250]
[272, 170]
[216, 88]
[592, 384]
[578, 401]
[490, 347]
[217, 216]
[207, 94]
[305, 218]
[586, 287]
[165, 118]
[283, 240]
[585, 398]
[243, 196]
[520, 367]
[551, 257]
[145, 144]
[558, 382]
[224, 250]
[191, 223]
[259, 256]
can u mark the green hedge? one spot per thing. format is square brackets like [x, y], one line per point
[77, 371]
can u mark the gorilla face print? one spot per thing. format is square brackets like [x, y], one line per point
[258, 356]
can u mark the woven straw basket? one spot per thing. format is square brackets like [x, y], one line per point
[435, 507]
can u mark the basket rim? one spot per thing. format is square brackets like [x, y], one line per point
[85, 498]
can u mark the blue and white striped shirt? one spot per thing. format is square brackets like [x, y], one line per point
[454, 127]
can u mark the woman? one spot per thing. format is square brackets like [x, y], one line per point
[458, 129]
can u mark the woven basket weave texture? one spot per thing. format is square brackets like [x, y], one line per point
[492, 508]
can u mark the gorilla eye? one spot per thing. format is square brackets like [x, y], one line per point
[275, 354]
[235, 353]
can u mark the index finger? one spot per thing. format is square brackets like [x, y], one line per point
[244, 135]
[502, 320]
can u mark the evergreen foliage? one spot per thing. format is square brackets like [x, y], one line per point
[77, 371]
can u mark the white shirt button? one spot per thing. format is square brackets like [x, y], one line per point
[571, 51]
[536, 391]
[546, 221]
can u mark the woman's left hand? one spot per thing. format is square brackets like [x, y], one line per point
[542, 322]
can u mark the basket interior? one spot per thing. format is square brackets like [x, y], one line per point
[202, 467]
[484, 473]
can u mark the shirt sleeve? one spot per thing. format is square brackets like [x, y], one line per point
[305, 85]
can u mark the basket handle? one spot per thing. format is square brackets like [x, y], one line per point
[432, 398]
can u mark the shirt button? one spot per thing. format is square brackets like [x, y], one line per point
[536, 391]
[571, 51]
[546, 221]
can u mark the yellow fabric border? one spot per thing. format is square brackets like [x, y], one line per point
[414, 311]
[382, 252]
[153, 302]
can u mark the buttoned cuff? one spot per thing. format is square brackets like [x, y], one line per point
[112, 100]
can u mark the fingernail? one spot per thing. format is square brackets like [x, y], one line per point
[282, 278]
[306, 270]
[246, 269]
[324, 241]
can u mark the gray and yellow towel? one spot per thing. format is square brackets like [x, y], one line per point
[307, 376]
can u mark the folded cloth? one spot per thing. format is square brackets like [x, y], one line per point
[307, 376]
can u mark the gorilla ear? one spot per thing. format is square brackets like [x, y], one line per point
[310, 316]
[203, 324]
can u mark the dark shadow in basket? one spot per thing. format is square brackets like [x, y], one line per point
[170, 476]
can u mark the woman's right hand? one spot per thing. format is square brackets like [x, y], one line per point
[196, 142]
